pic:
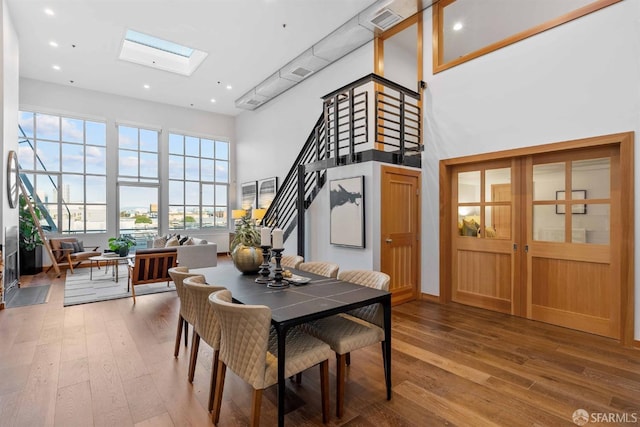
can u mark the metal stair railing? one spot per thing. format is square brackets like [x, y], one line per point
[52, 226]
[342, 136]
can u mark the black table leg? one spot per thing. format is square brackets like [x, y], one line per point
[387, 344]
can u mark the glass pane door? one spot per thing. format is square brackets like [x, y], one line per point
[138, 212]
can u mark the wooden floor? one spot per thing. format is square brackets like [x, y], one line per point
[112, 364]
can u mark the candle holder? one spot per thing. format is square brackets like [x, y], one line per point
[264, 267]
[277, 282]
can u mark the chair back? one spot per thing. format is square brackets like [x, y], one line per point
[326, 269]
[373, 279]
[206, 325]
[245, 337]
[187, 310]
[152, 265]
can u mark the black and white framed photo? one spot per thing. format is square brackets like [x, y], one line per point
[249, 191]
[578, 209]
[346, 202]
[267, 189]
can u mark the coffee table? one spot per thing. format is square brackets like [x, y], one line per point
[112, 261]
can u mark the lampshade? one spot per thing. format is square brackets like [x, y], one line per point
[258, 213]
[238, 213]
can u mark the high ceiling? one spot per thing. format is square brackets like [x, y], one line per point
[246, 41]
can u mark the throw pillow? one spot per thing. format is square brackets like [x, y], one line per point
[189, 242]
[80, 246]
[68, 245]
[183, 239]
[160, 242]
[172, 242]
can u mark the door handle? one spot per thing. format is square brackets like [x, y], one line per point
[388, 240]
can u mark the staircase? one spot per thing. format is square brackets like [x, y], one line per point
[369, 106]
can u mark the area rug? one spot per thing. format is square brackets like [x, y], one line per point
[30, 295]
[80, 288]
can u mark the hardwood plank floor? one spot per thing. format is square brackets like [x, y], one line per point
[111, 364]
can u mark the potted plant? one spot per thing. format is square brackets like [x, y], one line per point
[245, 246]
[29, 240]
[121, 245]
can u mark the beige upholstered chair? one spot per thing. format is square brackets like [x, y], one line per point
[249, 350]
[326, 269]
[187, 313]
[207, 327]
[348, 332]
[289, 261]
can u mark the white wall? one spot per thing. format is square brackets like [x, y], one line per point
[75, 102]
[270, 138]
[9, 68]
[579, 80]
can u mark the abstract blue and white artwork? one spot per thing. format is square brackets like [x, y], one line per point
[346, 202]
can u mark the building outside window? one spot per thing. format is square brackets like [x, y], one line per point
[198, 182]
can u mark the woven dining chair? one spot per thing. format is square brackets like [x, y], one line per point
[187, 313]
[325, 269]
[289, 261]
[207, 327]
[359, 328]
[249, 349]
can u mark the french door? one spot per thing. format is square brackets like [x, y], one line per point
[541, 235]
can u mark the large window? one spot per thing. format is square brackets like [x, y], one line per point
[466, 29]
[138, 182]
[63, 165]
[198, 182]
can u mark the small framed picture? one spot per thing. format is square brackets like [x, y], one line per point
[249, 191]
[346, 202]
[267, 189]
[578, 209]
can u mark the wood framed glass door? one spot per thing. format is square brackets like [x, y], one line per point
[484, 232]
[551, 240]
[572, 276]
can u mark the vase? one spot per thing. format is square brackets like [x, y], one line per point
[247, 259]
[123, 251]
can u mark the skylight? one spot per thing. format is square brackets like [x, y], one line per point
[156, 43]
[160, 54]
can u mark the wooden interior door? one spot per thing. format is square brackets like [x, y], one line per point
[484, 237]
[573, 269]
[400, 231]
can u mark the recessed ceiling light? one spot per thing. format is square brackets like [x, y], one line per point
[213, 100]
[147, 86]
[53, 44]
[56, 67]
[457, 26]
[229, 87]
[49, 12]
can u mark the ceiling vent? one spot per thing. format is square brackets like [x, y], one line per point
[302, 72]
[386, 19]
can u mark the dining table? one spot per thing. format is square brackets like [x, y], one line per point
[300, 303]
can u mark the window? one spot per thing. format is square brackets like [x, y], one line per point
[63, 165]
[198, 182]
[137, 154]
[466, 29]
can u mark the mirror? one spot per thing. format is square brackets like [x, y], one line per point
[12, 179]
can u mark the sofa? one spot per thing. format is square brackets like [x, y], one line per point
[192, 251]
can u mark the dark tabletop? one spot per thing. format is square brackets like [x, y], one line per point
[320, 297]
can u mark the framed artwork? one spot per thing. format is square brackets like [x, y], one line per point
[346, 203]
[580, 209]
[249, 192]
[267, 189]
